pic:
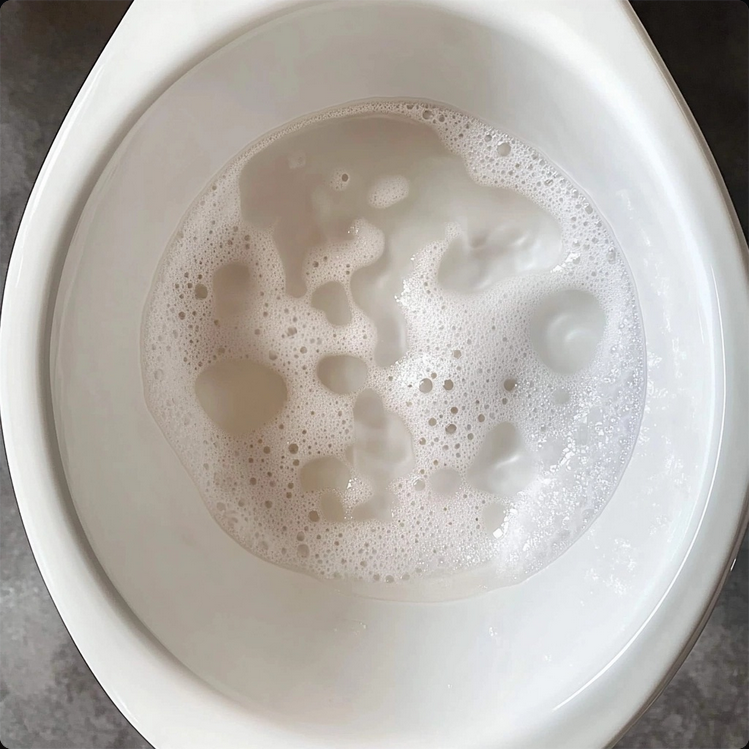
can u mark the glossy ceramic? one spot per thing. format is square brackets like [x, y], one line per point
[198, 642]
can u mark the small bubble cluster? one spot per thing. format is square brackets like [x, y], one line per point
[491, 444]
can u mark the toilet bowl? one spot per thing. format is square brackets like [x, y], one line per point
[200, 643]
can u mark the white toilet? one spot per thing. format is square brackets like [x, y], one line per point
[200, 643]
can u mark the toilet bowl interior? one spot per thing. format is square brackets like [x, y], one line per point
[290, 648]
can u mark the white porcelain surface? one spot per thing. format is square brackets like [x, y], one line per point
[200, 643]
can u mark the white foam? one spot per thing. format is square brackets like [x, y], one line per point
[387, 191]
[465, 433]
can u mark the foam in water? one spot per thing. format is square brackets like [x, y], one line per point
[394, 346]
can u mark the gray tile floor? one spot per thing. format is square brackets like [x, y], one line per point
[48, 697]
